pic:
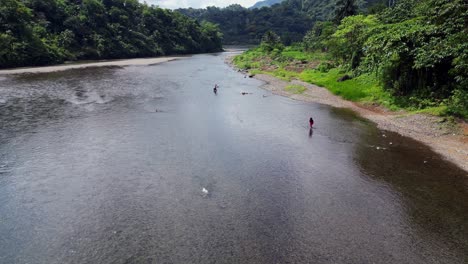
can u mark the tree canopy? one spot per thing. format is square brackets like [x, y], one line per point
[290, 19]
[417, 47]
[240, 25]
[39, 32]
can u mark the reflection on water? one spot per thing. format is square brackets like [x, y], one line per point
[108, 165]
[433, 193]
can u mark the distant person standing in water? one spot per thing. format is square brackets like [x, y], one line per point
[311, 122]
[215, 89]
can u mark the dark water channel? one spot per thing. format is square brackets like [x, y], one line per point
[108, 165]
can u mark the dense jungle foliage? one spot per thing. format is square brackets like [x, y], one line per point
[240, 25]
[39, 32]
[290, 19]
[414, 50]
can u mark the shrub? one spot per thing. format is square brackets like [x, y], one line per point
[457, 104]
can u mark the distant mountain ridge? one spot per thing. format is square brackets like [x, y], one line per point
[265, 3]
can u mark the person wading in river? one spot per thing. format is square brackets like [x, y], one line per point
[311, 122]
[215, 89]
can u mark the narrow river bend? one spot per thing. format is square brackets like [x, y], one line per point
[107, 165]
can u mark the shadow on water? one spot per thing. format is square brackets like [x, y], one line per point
[433, 191]
[348, 115]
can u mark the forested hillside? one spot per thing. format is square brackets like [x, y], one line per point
[266, 3]
[412, 55]
[39, 32]
[290, 19]
[241, 25]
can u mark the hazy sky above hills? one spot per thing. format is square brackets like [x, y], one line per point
[199, 3]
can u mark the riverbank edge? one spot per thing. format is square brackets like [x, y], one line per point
[449, 142]
[78, 65]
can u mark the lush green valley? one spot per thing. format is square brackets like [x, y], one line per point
[40, 32]
[412, 55]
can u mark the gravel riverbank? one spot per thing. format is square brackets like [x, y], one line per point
[64, 67]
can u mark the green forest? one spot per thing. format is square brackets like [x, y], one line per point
[411, 54]
[290, 19]
[41, 32]
[240, 25]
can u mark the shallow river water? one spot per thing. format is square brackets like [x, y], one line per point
[107, 165]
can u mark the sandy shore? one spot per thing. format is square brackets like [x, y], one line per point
[64, 67]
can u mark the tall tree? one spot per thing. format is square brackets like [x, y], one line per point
[271, 41]
[345, 8]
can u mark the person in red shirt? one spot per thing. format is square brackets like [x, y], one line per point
[311, 122]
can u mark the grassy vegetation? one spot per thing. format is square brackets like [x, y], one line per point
[296, 53]
[284, 74]
[364, 88]
[435, 110]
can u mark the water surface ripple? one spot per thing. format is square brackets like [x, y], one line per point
[107, 165]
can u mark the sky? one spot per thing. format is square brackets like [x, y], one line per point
[199, 3]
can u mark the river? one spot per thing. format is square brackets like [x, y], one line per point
[145, 164]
